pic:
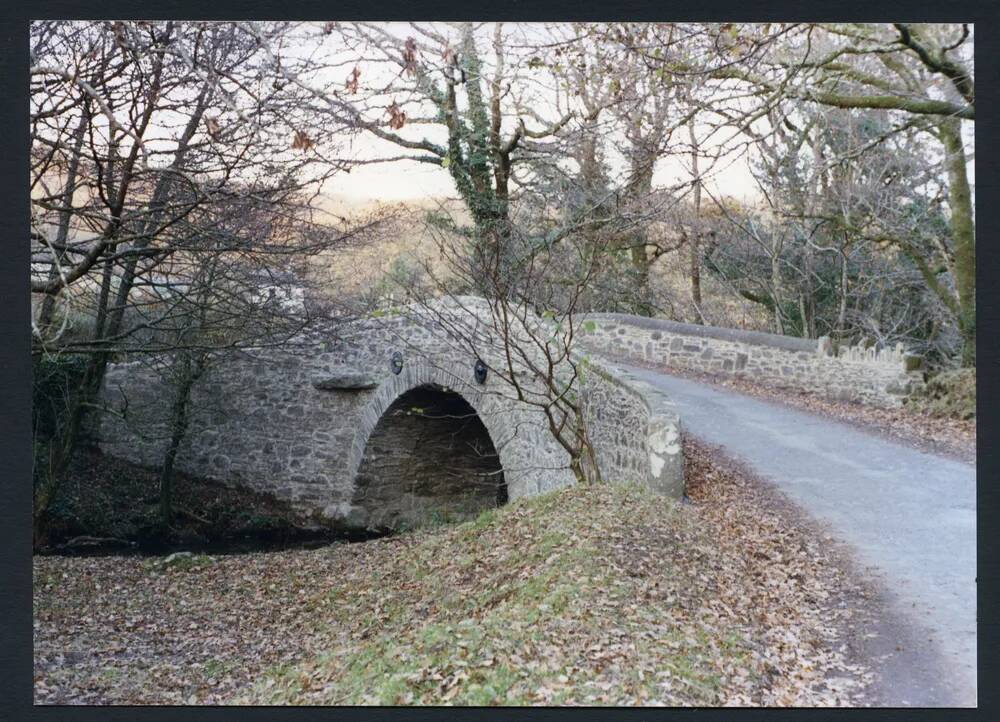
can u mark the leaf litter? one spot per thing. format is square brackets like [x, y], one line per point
[593, 595]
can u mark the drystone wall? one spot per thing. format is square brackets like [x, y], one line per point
[304, 423]
[880, 377]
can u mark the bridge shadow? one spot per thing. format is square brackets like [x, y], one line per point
[429, 459]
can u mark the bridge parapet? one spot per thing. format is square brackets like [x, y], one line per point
[637, 429]
[880, 377]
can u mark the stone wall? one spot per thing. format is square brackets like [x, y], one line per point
[878, 377]
[634, 428]
[298, 422]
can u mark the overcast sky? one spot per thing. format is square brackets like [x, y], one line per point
[407, 180]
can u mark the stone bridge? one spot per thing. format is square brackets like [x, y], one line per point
[389, 422]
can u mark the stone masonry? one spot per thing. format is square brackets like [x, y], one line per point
[878, 377]
[383, 422]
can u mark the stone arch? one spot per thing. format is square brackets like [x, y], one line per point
[460, 432]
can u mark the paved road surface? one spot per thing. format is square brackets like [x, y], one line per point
[909, 514]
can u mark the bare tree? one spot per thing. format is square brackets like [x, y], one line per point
[525, 327]
[146, 138]
[895, 68]
[830, 194]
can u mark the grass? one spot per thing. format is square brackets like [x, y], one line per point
[592, 595]
[214, 668]
[509, 608]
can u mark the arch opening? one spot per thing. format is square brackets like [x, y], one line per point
[429, 458]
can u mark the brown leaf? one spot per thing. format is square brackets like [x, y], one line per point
[410, 56]
[397, 117]
[301, 141]
[213, 127]
[352, 80]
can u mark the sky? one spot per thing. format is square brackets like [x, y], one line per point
[411, 181]
[408, 180]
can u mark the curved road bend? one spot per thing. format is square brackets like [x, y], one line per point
[909, 514]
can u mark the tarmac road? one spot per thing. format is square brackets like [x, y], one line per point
[909, 516]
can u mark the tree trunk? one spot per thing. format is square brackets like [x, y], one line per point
[776, 287]
[842, 311]
[189, 372]
[583, 461]
[640, 266]
[815, 202]
[47, 310]
[803, 315]
[963, 232]
[637, 190]
[61, 450]
[109, 325]
[807, 302]
[695, 248]
[694, 240]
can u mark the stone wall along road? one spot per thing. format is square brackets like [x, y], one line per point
[880, 377]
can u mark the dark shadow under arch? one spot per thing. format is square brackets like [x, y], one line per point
[428, 459]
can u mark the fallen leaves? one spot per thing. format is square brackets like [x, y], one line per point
[592, 595]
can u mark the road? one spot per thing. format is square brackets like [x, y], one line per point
[909, 515]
